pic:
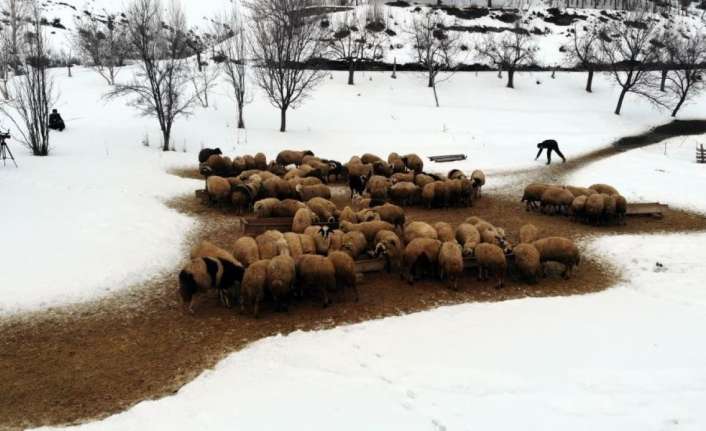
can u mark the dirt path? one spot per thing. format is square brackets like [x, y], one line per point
[74, 364]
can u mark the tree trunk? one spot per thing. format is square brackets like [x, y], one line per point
[664, 80]
[431, 80]
[351, 71]
[436, 96]
[681, 102]
[165, 139]
[620, 101]
[394, 69]
[589, 82]
[510, 78]
[241, 122]
[283, 120]
[490, 4]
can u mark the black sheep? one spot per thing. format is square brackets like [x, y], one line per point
[357, 184]
[208, 152]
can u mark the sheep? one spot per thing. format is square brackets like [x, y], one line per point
[260, 161]
[391, 214]
[249, 162]
[277, 187]
[474, 220]
[218, 165]
[528, 233]
[609, 207]
[454, 191]
[556, 199]
[580, 191]
[281, 274]
[405, 193]
[450, 262]
[308, 244]
[354, 243]
[478, 179]
[382, 168]
[495, 236]
[323, 208]
[444, 231]
[287, 208]
[205, 153]
[436, 195]
[317, 272]
[246, 250]
[358, 174]
[377, 186]
[604, 188]
[527, 261]
[265, 208]
[594, 208]
[207, 272]
[320, 236]
[413, 162]
[396, 162]
[303, 218]
[289, 157]
[468, 236]
[533, 195]
[558, 249]
[367, 214]
[295, 245]
[421, 180]
[621, 207]
[491, 260]
[419, 229]
[218, 189]
[348, 215]
[368, 158]
[244, 195]
[578, 207]
[308, 192]
[467, 192]
[321, 169]
[389, 245]
[456, 174]
[400, 177]
[335, 240]
[252, 289]
[369, 229]
[266, 243]
[208, 249]
[357, 184]
[344, 266]
[420, 256]
[238, 165]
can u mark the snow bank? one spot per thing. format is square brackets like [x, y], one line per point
[629, 358]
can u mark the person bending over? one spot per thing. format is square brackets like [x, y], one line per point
[549, 145]
[56, 122]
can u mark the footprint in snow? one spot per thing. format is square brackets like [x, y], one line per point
[438, 425]
[410, 393]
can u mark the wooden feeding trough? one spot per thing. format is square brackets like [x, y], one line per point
[651, 209]
[447, 158]
[373, 264]
[254, 226]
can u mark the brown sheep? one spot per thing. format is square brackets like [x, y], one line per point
[369, 229]
[594, 208]
[382, 168]
[621, 208]
[307, 193]
[421, 180]
[378, 186]
[218, 189]
[419, 229]
[444, 231]
[436, 195]
[391, 214]
[208, 249]
[324, 208]
[281, 274]
[303, 219]
[413, 162]
[527, 261]
[316, 272]
[277, 187]
[266, 243]
[308, 243]
[421, 256]
[336, 240]
[238, 165]
[246, 250]
[368, 158]
[348, 215]
[287, 208]
[249, 161]
[396, 162]
[295, 245]
[491, 260]
[260, 161]
[533, 195]
[609, 207]
[405, 193]
[265, 208]
[580, 191]
[401, 177]
[559, 249]
[556, 199]
[578, 207]
[604, 188]
[289, 157]
[478, 179]
[450, 262]
[367, 214]
[219, 165]
[354, 243]
[252, 289]
[320, 236]
[456, 174]
[389, 245]
[528, 233]
[344, 265]
[468, 236]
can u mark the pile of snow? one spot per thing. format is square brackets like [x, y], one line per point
[630, 358]
[666, 172]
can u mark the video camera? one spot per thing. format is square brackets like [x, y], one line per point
[5, 135]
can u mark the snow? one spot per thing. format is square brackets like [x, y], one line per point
[666, 172]
[629, 358]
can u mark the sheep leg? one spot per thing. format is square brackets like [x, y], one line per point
[480, 272]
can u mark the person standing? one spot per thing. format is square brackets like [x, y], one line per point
[549, 145]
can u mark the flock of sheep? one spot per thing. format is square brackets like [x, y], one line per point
[320, 258]
[301, 176]
[598, 204]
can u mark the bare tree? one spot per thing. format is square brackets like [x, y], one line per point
[509, 51]
[234, 52]
[159, 84]
[17, 13]
[358, 36]
[686, 50]
[204, 79]
[628, 49]
[284, 38]
[584, 51]
[102, 43]
[435, 47]
[32, 93]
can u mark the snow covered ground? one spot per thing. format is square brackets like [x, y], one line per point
[92, 215]
[630, 358]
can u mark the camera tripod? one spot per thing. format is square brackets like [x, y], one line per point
[5, 152]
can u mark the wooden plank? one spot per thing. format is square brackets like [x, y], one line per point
[256, 226]
[370, 265]
[653, 209]
[447, 158]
